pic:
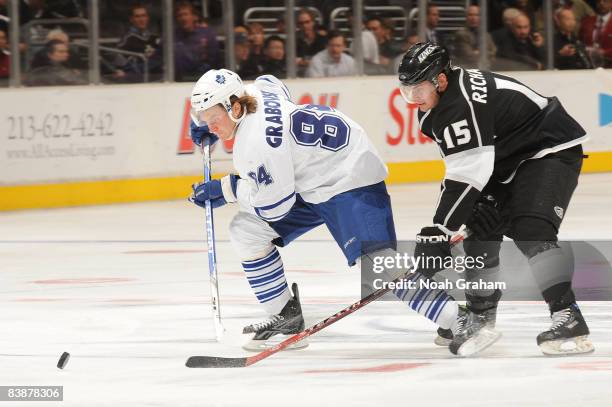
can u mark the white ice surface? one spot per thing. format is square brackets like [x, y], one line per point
[124, 289]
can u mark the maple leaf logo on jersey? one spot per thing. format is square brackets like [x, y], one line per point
[220, 79]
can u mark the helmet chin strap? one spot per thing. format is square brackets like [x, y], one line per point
[237, 121]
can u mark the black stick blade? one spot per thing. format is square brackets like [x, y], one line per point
[213, 361]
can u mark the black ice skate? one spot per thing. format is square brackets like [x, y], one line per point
[486, 306]
[473, 334]
[278, 327]
[567, 334]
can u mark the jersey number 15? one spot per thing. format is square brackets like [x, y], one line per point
[460, 134]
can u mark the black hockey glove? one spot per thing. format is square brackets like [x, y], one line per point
[433, 247]
[486, 221]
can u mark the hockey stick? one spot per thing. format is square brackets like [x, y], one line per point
[216, 362]
[212, 252]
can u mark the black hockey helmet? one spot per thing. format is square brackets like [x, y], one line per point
[424, 61]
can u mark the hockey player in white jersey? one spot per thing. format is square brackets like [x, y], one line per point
[299, 166]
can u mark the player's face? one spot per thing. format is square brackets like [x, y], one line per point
[423, 95]
[218, 122]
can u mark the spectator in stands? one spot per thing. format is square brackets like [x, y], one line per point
[466, 41]
[5, 58]
[281, 26]
[410, 40]
[596, 33]
[195, 47]
[332, 61]
[390, 47]
[256, 41]
[246, 67]
[140, 39]
[500, 34]
[526, 7]
[274, 57]
[570, 53]
[369, 44]
[524, 48]
[374, 25]
[56, 73]
[432, 34]
[75, 59]
[579, 7]
[310, 39]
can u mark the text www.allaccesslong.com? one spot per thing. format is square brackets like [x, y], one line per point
[42, 151]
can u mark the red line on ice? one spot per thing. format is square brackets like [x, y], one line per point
[394, 367]
[600, 365]
[91, 280]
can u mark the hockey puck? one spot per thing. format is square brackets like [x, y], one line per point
[63, 360]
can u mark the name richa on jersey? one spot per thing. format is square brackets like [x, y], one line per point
[428, 284]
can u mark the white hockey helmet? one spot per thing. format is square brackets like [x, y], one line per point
[216, 86]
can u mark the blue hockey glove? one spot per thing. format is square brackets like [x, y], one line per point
[218, 192]
[201, 135]
[433, 246]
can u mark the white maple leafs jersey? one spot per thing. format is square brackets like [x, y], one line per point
[284, 149]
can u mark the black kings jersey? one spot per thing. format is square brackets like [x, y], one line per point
[486, 125]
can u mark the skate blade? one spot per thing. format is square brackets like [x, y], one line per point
[440, 341]
[481, 341]
[259, 345]
[572, 346]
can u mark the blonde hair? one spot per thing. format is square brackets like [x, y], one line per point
[247, 102]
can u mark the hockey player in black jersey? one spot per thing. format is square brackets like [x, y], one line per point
[501, 142]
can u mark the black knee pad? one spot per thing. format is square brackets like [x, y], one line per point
[533, 235]
[489, 250]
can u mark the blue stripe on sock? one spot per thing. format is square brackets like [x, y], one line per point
[272, 293]
[435, 304]
[447, 299]
[280, 275]
[260, 263]
[415, 303]
[400, 292]
[432, 303]
[262, 266]
[274, 296]
[256, 279]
